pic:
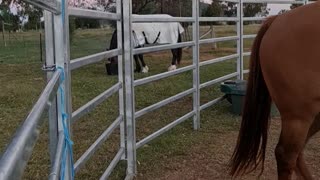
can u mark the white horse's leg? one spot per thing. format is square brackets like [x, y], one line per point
[172, 68]
[145, 69]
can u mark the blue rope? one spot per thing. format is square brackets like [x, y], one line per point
[67, 145]
[68, 142]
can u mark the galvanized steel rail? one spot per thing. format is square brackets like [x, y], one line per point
[92, 14]
[95, 58]
[49, 5]
[165, 129]
[17, 154]
[94, 147]
[88, 107]
[160, 76]
[55, 170]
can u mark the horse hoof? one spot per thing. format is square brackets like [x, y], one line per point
[145, 69]
[172, 68]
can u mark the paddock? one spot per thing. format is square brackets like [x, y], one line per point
[182, 152]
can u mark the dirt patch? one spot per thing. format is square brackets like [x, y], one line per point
[208, 159]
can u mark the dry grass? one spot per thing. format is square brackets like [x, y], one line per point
[208, 157]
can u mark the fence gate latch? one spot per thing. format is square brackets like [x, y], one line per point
[48, 68]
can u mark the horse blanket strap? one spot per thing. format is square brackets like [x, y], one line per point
[157, 37]
[151, 33]
[146, 39]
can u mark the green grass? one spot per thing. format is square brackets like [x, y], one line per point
[22, 80]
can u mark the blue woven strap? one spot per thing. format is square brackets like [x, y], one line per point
[67, 141]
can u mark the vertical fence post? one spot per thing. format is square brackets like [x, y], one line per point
[129, 89]
[120, 77]
[61, 40]
[50, 61]
[240, 40]
[213, 35]
[196, 74]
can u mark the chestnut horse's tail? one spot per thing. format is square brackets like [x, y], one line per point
[252, 141]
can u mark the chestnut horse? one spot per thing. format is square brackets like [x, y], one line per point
[284, 69]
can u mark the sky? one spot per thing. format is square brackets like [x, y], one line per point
[274, 8]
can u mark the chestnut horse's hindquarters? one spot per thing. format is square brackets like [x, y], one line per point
[252, 139]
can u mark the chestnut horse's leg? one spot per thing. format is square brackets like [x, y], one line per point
[292, 140]
[302, 170]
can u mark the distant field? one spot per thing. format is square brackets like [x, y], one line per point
[22, 80]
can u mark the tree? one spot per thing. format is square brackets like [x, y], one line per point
[143, 6]
[213, 10]
[230, 9]
[283, 11]
[34, 16]
[93, 5]
[11, 18]
[16, 12]
[86, 23]
[293, 6]
[249, 10]
[297, 5]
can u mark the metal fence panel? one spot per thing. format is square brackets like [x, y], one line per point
[165, 129]
[240, 39]
[93, 14]
[55, 170]
[129, 92]
[94, 147]
[50, 62]
[91, 105]
[195, 61]
[94, 58]
[137, 19]
[53, 6]
[164, 102]
[62, 55]
[163, 75]
[120, 79]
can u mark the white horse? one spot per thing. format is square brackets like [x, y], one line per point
[150, 34]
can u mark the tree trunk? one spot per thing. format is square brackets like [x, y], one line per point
[161, 7]
[180, 8]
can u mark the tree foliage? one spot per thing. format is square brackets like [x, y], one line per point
[283, 11]
[229, 9]
[172, 7]
[13, 19]
[215, 9]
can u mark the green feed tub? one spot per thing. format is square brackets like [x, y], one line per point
[235, 91]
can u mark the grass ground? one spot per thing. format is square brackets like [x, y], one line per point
[182, 153]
